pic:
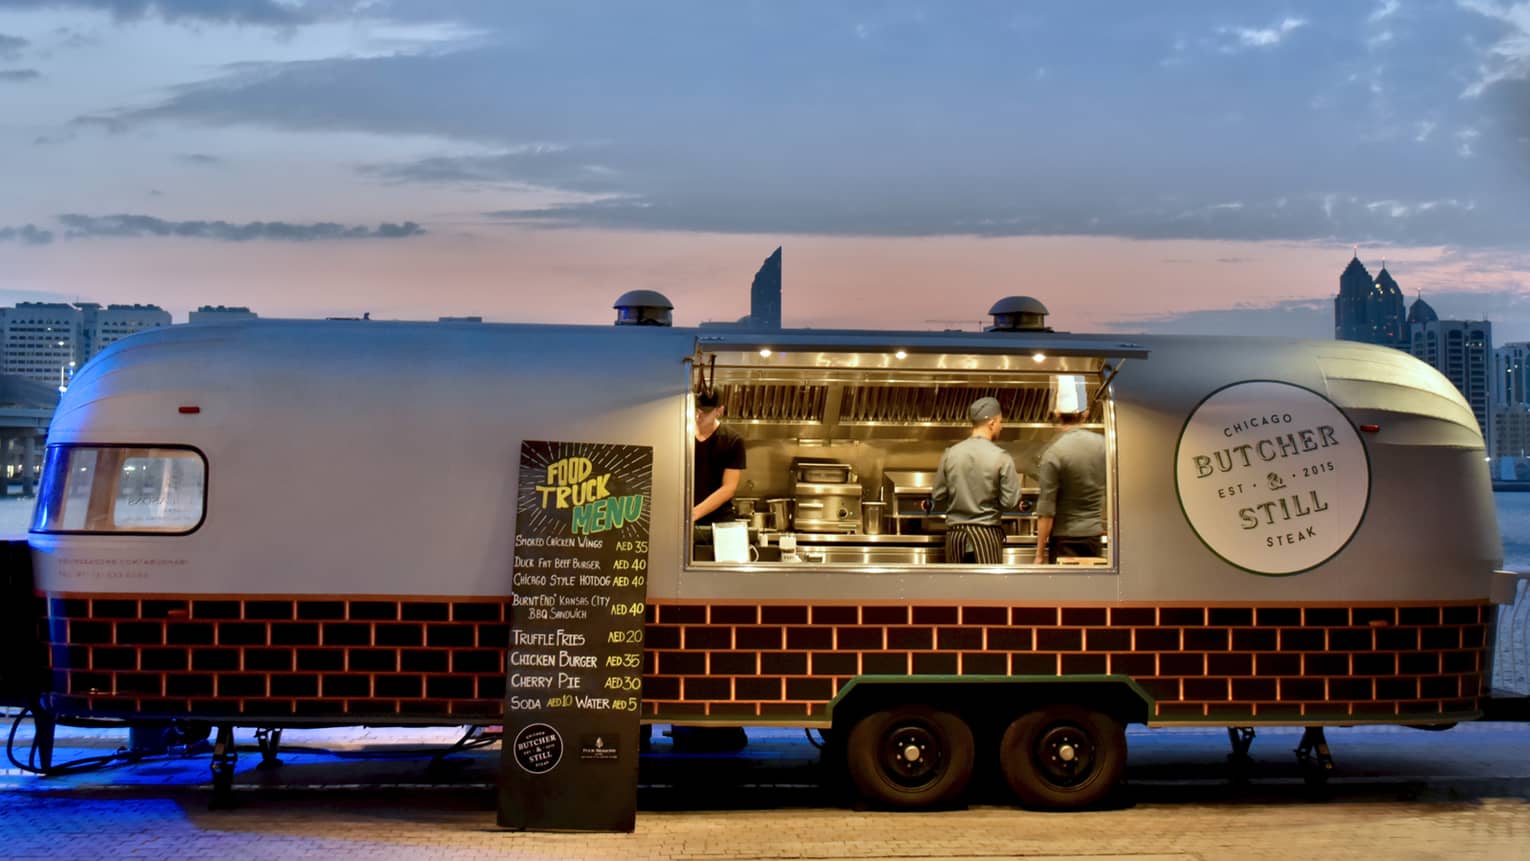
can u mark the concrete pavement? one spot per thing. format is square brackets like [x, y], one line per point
[1396, 793]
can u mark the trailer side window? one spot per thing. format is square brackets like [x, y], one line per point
[119, 489]
[847, 460]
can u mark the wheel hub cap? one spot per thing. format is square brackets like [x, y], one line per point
[1064, 755]
[913, 755]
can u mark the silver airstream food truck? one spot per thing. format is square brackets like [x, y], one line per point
[289, 523]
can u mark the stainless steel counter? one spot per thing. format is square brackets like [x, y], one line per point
[813, 539]
[858, 549]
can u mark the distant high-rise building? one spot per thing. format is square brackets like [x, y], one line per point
[1511, 400]
[1462, 350]
[47, 341]
[101, 327]
[220, 314]
[765, 294]
[1511, 364]
[41, 341]
[1371, 311]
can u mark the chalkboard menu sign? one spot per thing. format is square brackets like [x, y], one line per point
[575, 665]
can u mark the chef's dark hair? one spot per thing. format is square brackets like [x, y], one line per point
[708, 399]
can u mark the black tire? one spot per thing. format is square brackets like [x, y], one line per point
[910, 757]
[1063, 757]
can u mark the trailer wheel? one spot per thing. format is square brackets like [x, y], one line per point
[910, 757]
[1063, 757]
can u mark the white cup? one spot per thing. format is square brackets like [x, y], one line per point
[764, 538]
[788, 542]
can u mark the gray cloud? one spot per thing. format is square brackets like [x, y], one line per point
[571, 168]
[263, 12]
[135, 226]
[10, 46]
[1000, 208]
[199, 159]
[19, 76]
[26, 234]
[675, 131]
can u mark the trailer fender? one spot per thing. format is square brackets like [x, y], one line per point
[989, 702]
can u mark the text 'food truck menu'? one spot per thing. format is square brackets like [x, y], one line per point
[575, 665]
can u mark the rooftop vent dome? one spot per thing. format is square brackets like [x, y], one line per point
[1018, 314]
[643, 308]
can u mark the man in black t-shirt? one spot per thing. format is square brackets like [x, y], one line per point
[718, 464]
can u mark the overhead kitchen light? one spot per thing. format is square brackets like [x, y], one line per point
[764, 352]
[901, 354]
[1038, 358]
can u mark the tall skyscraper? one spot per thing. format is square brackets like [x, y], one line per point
[765, 294]
[1371, 311]
[1511, 400]
[1462, 350]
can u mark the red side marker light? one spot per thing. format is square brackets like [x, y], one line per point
[1370, 428]
[190, 410]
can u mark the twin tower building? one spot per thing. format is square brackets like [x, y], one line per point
[1374, 311]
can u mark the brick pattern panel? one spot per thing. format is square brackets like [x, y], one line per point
[1199, 663]
[433, 658]
[275, 657]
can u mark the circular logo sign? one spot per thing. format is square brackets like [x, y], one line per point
[1272, 476]
[538, 748]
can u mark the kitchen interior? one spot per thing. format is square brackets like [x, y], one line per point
[842, 449]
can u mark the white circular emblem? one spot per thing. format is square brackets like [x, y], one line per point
[1272, 476]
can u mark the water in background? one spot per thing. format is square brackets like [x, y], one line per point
[1511, 666]
[1514, 524]
[15, 517]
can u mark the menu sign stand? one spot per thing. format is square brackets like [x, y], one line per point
[569, 758]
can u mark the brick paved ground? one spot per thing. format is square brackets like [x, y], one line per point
[1398, 793]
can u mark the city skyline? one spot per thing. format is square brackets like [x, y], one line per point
[1187, 168]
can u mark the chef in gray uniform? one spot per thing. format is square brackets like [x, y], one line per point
[975, 484]
[1070, 507]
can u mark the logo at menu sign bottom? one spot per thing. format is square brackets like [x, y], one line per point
[538, 748]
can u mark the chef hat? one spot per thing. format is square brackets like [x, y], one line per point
[1071, 395]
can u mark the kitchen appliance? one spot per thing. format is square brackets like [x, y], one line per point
[780, 514]
[826, 497]
[907, 495]
[871, 516]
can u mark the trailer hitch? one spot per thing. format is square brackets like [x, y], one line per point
[1313, 756]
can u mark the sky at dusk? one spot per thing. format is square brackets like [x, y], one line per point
[1156, 167]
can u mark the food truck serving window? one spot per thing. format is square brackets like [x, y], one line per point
[843, 445]
[121, 489]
